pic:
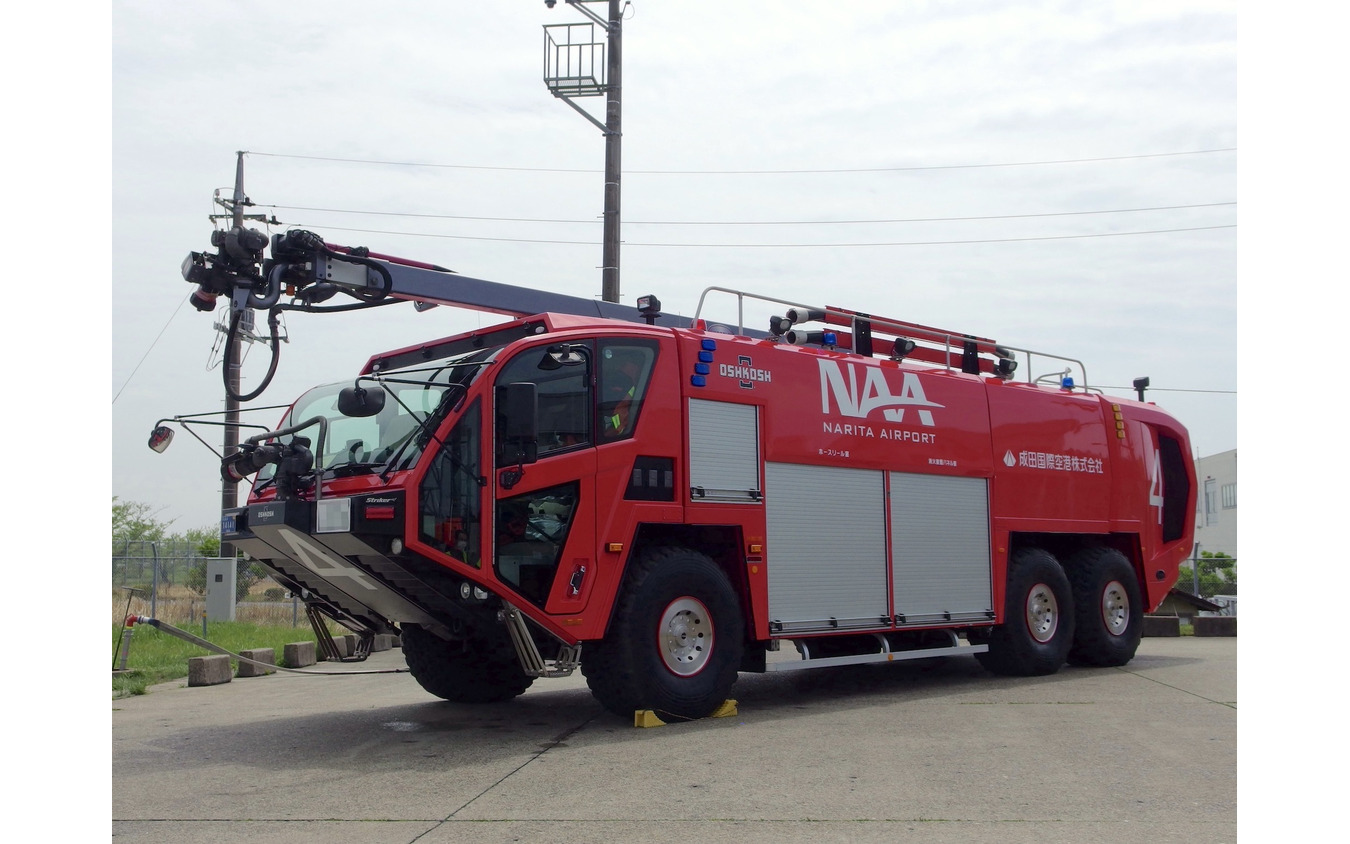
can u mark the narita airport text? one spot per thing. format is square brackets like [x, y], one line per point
[868, 432]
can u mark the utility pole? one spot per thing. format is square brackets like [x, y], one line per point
[613, 150]
[229, 489]
[576, 65]
[236, 204]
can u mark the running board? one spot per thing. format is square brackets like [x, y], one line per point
[861, 659]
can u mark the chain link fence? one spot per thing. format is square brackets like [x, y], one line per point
[1215, 581]
[166, 579]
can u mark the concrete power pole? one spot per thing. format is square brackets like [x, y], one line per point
[236, 204]
[228, 489]
[613, 155]
[571, 70]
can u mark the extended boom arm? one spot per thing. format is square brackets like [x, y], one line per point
[307, 272]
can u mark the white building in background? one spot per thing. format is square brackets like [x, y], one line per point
[1216, 503]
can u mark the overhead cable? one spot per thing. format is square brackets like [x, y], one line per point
[768, 245]
[746, 172]
[749, 222]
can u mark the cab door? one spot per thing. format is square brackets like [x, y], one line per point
[543, 520]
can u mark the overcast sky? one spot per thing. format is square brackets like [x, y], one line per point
[1094, 140]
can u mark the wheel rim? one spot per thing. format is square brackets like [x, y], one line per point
[685, 636]
[1042, 613]
[1116, 608]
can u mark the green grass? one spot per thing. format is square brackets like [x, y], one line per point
[157, 657]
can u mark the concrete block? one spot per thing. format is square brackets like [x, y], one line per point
[350, 639]
[340, 643]
[208, 670]
[1215, 625]
[249, 669]
[298, 654]
[1162, 625]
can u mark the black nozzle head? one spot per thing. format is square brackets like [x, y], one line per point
[203, 300]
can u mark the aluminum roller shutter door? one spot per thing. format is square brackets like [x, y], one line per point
[724, 451]
[826, 546]
[940, 547]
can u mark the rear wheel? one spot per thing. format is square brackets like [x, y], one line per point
[1038, 619]
[471, 671]
[1109, 608]
[675, 642]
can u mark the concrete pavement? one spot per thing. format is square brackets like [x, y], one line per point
[874, 753]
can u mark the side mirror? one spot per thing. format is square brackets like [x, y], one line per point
[517, 423]
[359, 402]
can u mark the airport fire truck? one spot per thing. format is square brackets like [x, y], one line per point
[665, 501]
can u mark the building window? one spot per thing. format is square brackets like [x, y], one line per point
[1229, 493]
[1211, 505]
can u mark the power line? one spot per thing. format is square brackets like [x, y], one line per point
[747, 172]
[770, 245]
[153, 343]
[750, 222]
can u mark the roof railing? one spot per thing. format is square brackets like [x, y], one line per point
[857, 332]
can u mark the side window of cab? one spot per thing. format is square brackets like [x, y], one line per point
[562, 376]
[625, 371]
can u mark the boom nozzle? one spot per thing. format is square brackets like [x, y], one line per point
[236, 265]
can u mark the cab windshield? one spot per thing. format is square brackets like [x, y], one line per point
[416, 400]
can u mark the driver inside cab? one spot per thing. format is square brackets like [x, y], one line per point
[620, 375]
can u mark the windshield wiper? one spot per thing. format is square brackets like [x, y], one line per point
[425, 431]
[343, 470]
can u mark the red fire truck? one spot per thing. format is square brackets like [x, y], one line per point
[665, 502]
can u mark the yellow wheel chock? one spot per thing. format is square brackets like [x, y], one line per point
[649, 718]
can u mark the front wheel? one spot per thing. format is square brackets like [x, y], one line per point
[675, 642]
[1110, 608]
[1038, 618]
[473, 671]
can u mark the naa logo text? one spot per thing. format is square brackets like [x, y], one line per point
[858, 400]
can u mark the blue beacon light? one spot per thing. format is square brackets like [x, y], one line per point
[705, 358]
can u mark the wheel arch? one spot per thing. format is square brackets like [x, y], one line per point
[721, 543]
[1065, 546]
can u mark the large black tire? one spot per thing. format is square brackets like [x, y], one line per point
[1109, 608]
[1038, 619]
[463, 671]
[675, 642]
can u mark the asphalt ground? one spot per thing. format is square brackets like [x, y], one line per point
[945, 753]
